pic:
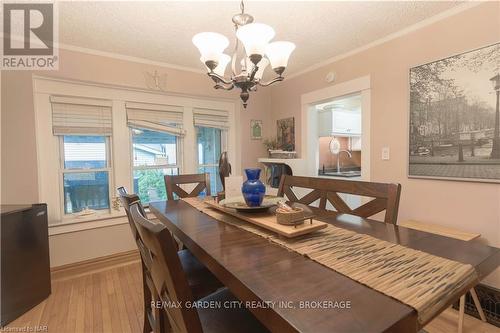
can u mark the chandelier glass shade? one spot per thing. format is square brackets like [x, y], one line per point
[259, 52]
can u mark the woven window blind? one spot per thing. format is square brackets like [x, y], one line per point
[81, 116]
[211, 118]
[156, 117]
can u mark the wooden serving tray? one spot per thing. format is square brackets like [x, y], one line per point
[267, 220]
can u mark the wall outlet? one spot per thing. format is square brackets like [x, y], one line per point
[385, 153]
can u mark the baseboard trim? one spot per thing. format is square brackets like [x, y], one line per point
[489, 297]
[94, 265]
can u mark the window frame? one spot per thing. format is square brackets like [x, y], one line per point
[47, 144]
[69, 217]
[223, 147]
[178, 159]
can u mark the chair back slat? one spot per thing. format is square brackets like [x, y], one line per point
[172, 183]
[385, 196]
[127, 200]
[168, 277]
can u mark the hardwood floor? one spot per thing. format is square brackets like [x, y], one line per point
[109, 300]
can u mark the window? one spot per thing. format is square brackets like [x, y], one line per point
[86, 171]
[209, 143]
[101, 137]
[154, 155]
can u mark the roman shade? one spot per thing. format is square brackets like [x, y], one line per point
[81, 116]
[156, 117]
[211, 118]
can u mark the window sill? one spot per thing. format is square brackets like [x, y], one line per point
[91, 222]
[75, 224]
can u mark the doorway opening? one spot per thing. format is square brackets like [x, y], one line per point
[336, 128]
[340, 137]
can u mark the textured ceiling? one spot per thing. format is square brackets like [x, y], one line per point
[162, 31]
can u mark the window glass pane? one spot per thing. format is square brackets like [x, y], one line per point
[209, 145]
[84, 152]
[153, 148]
[85, 190]
[150, 185]
[215, 183]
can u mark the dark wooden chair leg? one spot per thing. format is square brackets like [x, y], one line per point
[148, 313]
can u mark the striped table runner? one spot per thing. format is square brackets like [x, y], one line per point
[421, 280]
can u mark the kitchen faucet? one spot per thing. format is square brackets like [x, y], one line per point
[338, 158]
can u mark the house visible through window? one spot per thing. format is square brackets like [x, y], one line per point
[154, 156]
[209, 142]
[85, 172]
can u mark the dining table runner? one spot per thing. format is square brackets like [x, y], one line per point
[421, 280]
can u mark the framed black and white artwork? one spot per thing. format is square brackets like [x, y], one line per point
[454, 117]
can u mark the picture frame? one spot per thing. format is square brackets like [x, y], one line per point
[452, 122]
[256, 129]
[286, 133]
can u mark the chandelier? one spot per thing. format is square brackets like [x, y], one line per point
[258, 53]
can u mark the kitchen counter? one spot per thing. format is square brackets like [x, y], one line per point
[348, 173]
[339, 177]
[342, 174]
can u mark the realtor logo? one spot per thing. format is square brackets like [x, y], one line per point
[29, 36]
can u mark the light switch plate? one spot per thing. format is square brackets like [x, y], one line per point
[385, 153]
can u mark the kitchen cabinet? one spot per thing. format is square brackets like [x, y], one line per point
[324, 123]
[339, 122]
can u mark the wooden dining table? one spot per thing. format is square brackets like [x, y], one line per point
[288, 292]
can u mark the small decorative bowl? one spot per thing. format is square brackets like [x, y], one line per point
[294, 217]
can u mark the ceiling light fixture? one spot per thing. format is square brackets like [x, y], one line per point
[255, 38]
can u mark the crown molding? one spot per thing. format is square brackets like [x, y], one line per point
[400, 33]
[118, 56]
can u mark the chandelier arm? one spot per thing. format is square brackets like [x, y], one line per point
[219, 78]
[265, 84]
[224, 87]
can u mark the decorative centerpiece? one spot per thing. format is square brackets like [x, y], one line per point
[253, 189]
[292, 215]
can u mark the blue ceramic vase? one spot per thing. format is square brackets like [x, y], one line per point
[253, 189]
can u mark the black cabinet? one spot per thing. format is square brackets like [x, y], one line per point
[25, 266]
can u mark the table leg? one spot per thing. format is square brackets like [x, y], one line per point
[461, 314]
[478, 305]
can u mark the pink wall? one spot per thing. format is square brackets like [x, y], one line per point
[467, 206]
[19, 174]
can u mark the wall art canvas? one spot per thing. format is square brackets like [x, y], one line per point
[454, 117]
[256, 129]
[286, 134]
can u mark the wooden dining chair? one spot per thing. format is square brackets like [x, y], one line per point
[200, 280]
[149, 321]
[172, 287]
[384, 196]
[202, 181]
